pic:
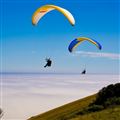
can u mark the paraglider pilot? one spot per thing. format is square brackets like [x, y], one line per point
[49, 62]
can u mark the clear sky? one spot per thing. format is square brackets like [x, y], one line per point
[25, 47]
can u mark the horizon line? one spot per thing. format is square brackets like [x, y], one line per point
[54, 73]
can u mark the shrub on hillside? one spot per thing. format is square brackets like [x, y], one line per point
[112, 101]
[106, 97]
[94, 108]
[111, 91]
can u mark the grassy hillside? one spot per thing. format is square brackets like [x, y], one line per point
[107, 114]
[66, 111]
[105, 105]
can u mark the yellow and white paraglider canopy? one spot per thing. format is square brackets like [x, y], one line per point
[40, 12]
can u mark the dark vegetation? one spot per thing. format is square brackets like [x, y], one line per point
[1, 112]
[107, 97]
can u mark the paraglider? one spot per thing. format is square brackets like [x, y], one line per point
[40, 12]
[49, 62]
[79, 40]
[84, 71]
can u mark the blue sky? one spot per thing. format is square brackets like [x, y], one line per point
[25, 47]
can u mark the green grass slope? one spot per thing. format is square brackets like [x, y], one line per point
[69, 112]
[105, 105]
[66, 111]
[107, 114]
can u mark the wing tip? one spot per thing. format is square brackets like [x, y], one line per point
[33, 23]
